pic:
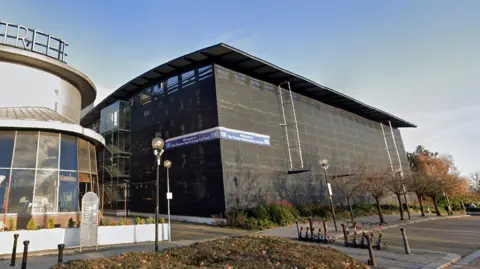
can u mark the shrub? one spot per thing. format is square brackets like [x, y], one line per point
[11, 225]
[113, 223]
[236, 218]
[136, 220]
[78, 224]
[261, 213]
[31, 225]
[129, 222]
[71, 223]
[121, 222]
[281, 215]
[51, 224]
[150, 220]
[142, 221]
[161, 220]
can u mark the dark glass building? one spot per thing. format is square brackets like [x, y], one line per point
[239, 131]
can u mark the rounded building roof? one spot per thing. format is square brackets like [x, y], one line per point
[84, 85]
[42, 118]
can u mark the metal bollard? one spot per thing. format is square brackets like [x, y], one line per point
[298, 231]
[345, 236]
[25, 254]
[14, 250]
[310, 223]
[405, 241]
[60, 253]
[372, 260]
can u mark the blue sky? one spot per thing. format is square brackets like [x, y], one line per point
[419, 60]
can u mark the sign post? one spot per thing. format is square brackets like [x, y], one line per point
[89, 224]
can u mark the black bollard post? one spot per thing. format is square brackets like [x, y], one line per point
[310, 223]
[60, 253]
[25, 254]
[345, 236]
[405, 241]
[14, 250]
[372, 260]
[325, 231]
[298, 231]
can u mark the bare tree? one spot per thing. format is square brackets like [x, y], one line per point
[349, 184]
[375, 183]
[395, 185]
[417, 182]
[475, 184]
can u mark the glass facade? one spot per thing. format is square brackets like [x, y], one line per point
[114, 160]
[38, 171]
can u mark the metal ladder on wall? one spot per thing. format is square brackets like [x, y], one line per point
[286, 125]
[389, 149]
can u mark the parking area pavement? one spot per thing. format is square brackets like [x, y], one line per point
[460, 236]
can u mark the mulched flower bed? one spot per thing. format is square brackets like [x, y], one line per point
[229, 253]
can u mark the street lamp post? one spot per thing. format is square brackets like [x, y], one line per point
[167, 164]
[324, 164]
[157, 145]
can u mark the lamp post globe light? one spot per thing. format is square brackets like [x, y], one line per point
[167, 164]
[157, 145]
[324, 164]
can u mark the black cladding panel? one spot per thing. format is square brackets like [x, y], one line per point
[183, 105]
[256, 174]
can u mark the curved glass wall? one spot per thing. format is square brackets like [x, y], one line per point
[44, 171]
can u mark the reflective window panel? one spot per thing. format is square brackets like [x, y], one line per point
[4, 173]
[68, 153]
[25, 150]
[21, 191]
[68, 192]
[45, 198]
[48, 150]
[83, 156]
[6, 148]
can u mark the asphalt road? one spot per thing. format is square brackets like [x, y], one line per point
[458, 236]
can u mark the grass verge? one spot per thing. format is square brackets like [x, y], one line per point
[229, 253]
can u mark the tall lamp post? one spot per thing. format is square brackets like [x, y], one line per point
[157, 145]
[167, 164]
[324, 164]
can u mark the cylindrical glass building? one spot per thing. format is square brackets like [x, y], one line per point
[47, 160]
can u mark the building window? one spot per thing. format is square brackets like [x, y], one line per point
[25, 150]
[48, 147]
[21, 191]
[68, 192]
[68, 153]
[146, 113]
[172, 85]
[93, 159]
[200, 121]
[181, 106]
[205, 72]
[83, 156]
[182, 129]
[188, 78]
[45, 198]
[158, 89]
[7, 139]
[4, 177]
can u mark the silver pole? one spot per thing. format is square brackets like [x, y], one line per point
[168, 204]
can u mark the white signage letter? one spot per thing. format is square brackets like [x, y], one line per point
[21, 38]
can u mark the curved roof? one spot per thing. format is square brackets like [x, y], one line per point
[43, 118]
[243, 62]
[76, 78]
[32, 113]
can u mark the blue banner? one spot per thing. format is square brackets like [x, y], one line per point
[218, 133]
[242, 136]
